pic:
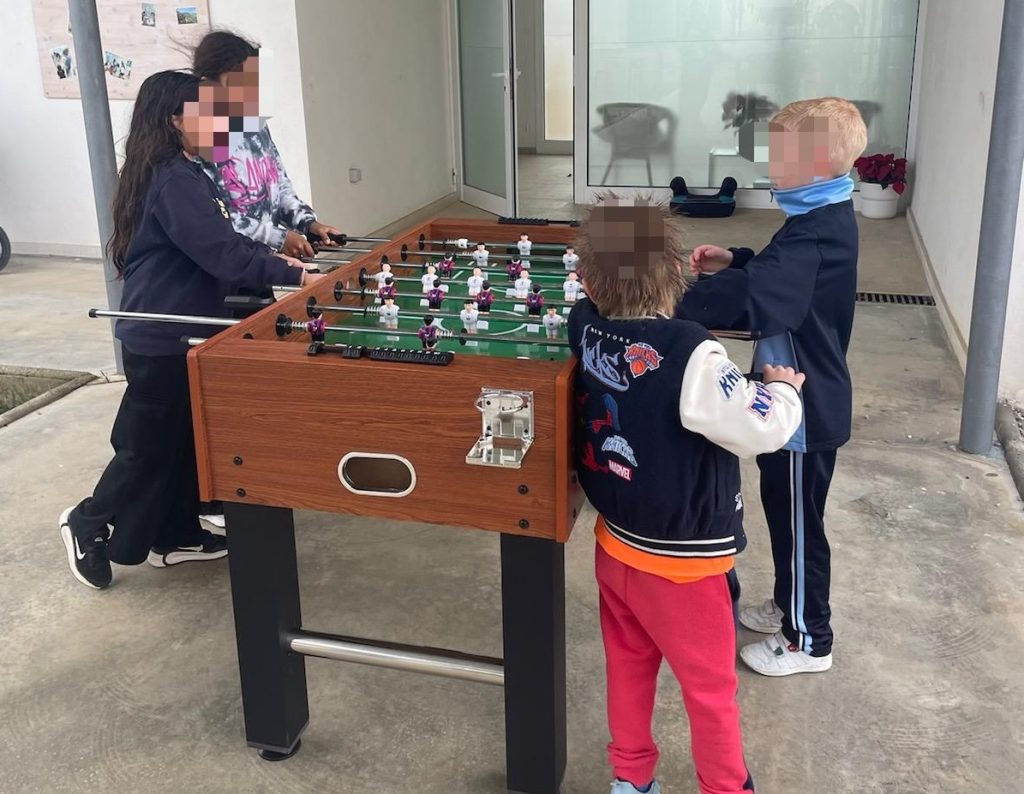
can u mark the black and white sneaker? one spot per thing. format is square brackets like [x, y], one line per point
[87, 559]
[213, 548]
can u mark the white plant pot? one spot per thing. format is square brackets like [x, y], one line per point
[878, 203]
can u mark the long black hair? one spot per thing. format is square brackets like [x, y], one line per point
[221, 51]
[152, 141]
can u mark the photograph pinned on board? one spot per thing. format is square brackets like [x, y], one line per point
[116, 66]
[187, 15]
[149, 15]
[63, 62]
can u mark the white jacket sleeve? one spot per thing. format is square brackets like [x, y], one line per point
[744, 417]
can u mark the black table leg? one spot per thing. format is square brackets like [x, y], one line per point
[265, 594]
[533, 624]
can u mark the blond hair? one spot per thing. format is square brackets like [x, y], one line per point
[630, 254]
[847, 133]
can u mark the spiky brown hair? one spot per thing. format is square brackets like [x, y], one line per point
[631, 253]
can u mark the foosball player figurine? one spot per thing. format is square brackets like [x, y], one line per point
[470, 316]
[523, 285]
[389, 314]
[429, 278]
[435, 296]
[535, 301]
[475, 282]
[428, 333]
[480, 255]
[513, 268]
[553, 322]
[446, 266]
[524, 245]
[571, 287]
[385, 270]
[388, 289]
[569, 258]
[317, 326]
[485, 299]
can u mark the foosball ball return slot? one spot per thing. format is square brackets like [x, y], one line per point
[507, 433]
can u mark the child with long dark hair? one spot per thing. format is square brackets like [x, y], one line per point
[175, 248]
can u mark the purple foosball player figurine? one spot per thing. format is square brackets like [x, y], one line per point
[435, 295]
[387, 290]
[317, 327]
[486, 298]
[513, 269]
[446, 266]
[428, 333]
[535, 301]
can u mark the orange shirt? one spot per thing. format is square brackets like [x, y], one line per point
[681, 570]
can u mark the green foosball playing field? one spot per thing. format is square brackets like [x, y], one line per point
[508, 330]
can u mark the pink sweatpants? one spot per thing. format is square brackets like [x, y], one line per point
[645, 618]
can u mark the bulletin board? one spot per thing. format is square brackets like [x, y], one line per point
[138, 40]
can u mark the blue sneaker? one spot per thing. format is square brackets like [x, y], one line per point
[623, 787]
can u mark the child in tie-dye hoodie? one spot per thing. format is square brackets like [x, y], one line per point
[247, 167]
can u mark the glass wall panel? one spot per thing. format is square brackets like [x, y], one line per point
[676, 86]
[481, 79]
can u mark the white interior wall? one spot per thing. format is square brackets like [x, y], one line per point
[377, 85]
[42, 141]
[951, 154]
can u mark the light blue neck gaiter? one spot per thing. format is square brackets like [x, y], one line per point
[803, 199]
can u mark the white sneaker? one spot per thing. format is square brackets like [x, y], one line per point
[214, 519]
[776, 656]
[622, 787]
[765, 618]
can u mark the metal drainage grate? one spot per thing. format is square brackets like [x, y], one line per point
[895, 297]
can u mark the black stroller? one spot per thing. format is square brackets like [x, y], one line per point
[5, 249]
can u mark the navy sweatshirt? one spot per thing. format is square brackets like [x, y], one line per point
[184, 258]
[798, 296]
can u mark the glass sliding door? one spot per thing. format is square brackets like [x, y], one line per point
[485, 101]
[679, 88]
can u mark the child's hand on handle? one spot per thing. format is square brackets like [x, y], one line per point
[296, 245]
[323, 231]
[784, 375]
[291, 260]
[308, 278]
[709, 259]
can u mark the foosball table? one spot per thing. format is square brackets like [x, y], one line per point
[499, 386]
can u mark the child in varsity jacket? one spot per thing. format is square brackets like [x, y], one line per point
[798, 296]
[663, 414]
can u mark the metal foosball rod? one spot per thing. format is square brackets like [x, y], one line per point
[340, 290]
[465, 243]
[184, 319]
[312, 307]
[368, 279]
[404, 254]
[286, 325]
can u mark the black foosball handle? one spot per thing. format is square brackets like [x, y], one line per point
[316, 239]
[537, 222]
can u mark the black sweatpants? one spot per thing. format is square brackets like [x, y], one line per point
[149, 492]
[794, 487]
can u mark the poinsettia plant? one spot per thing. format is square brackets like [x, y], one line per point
[884, 170]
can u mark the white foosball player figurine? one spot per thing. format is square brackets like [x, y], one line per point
[470, 316]
[389, 314]
[523, 285]
[428, 280]
[569, 258]
[385, 271]
[524, 245]
[475, 282]
[480, 255]
[552, 322]
[572, 287]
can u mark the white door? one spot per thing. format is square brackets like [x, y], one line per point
[486, 104]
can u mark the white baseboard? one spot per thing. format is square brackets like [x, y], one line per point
[957, 342]
[71, 250]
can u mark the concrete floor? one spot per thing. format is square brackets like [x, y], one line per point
[545, 186]
[136, 689]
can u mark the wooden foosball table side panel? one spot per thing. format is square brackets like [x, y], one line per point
[273, 424]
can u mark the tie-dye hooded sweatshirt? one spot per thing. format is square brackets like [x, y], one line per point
[260, 196]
